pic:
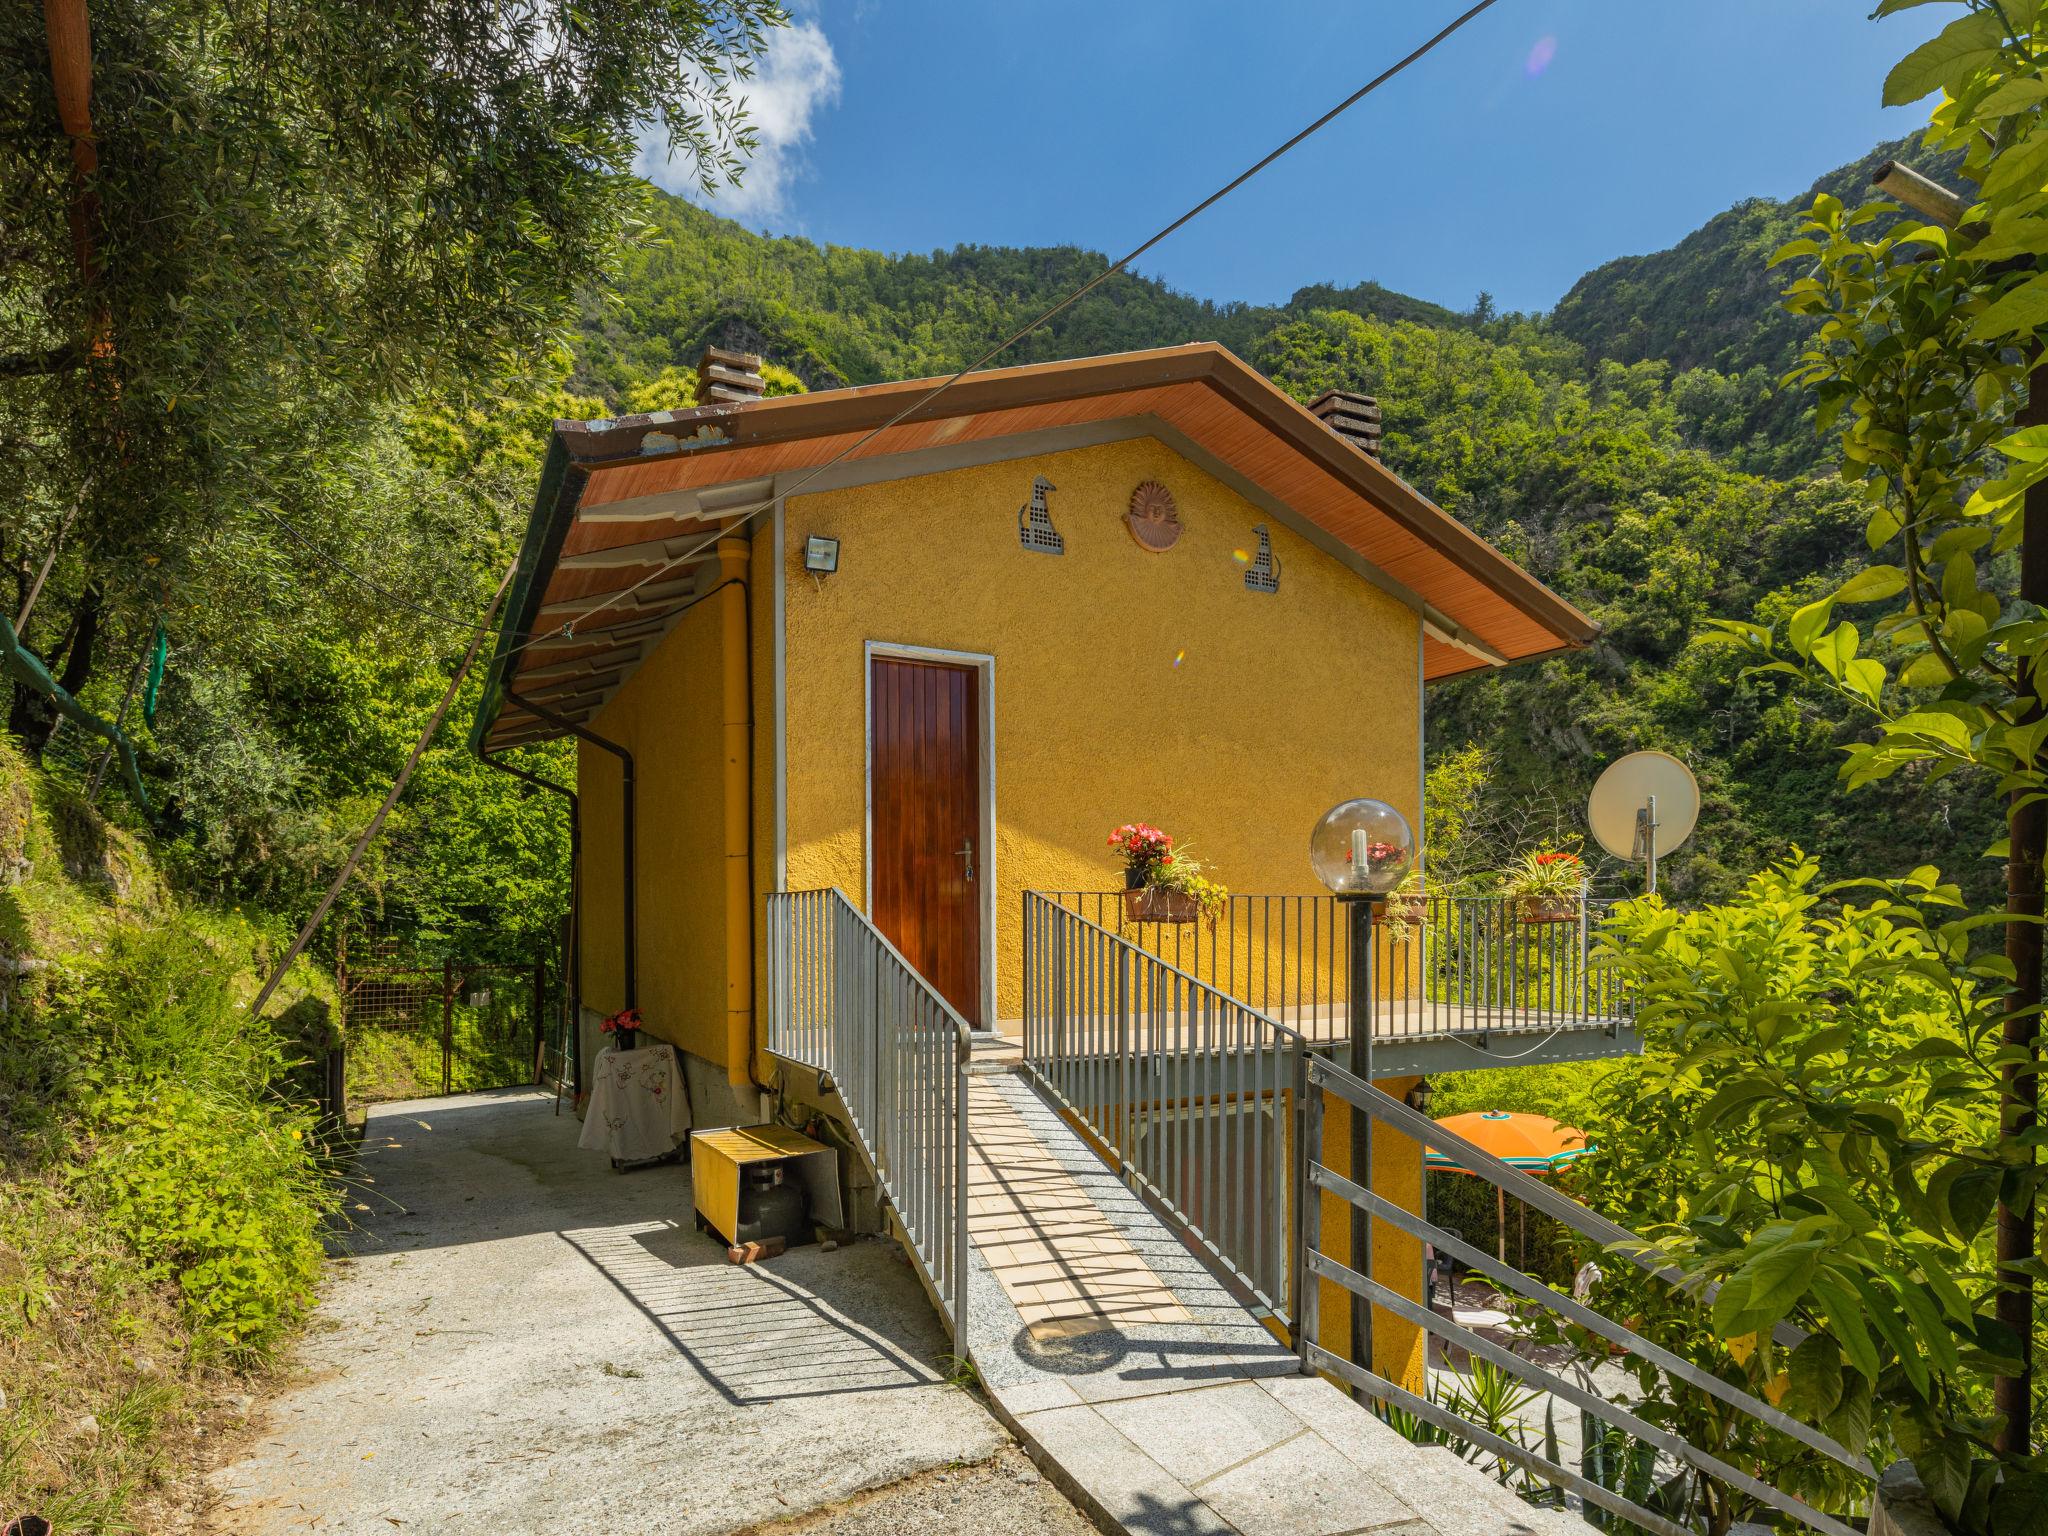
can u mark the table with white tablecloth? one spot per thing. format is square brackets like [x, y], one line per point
[639, 1106]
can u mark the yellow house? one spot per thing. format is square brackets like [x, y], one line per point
[927, 647]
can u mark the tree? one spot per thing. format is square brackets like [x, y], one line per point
[1927, 362]
[269, 224]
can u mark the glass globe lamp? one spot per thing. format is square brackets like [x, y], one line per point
[1362, 848]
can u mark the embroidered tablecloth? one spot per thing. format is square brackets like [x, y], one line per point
[639, 1107]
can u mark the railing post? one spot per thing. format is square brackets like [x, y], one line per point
[1058, 1043]
[1124, 1114]
[1308, 1207]
[961, 1245]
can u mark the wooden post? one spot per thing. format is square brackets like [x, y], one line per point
[540, 1029]
[447, 1025]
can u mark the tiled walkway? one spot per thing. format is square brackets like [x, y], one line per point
[1150, 1394]
[1057, 1258]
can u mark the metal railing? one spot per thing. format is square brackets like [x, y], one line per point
[1324, 1077]
[1189, 1090]
[1444, 965]
[842, 1001]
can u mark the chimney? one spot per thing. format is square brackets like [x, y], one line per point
[1356, 417]
[729, 378]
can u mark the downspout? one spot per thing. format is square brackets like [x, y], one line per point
[581, 733]
[573, 980]
[735, 657]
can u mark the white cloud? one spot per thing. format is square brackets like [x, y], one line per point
[798, 78]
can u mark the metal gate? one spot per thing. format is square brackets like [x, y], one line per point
[420, 1024]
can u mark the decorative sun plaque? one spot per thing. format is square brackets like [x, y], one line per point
[1153, 519]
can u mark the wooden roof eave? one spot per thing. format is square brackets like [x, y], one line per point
[864, 408]
[579, 451]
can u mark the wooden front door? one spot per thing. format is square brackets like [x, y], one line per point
[925, 828]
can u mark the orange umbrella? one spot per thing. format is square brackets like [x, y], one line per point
[1535, 1144]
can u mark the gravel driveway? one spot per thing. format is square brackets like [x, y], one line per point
[521, 1340]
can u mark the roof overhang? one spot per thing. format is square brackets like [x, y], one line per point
[620, 541]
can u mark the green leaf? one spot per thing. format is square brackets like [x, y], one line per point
[1971, 1200]
[1764, 1289]
[2013, 96]
[1837, 650]
[2018, 169]
[2020, 311]
[1927, 670]
[1806, 625]
[1954, 51]
[1850, 1422]
[2029, 445]
[2020, 1506]
[1846, 1321]
[1874, 583]
[1815, 1378]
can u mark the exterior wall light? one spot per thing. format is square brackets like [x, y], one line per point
[821, 555]
[1420, 1095]
[1361, 848]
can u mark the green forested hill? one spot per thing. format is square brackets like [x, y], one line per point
[836, 315]
[1632, 449]
[1711, 300]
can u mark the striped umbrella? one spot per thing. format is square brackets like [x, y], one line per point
[1535, 1144]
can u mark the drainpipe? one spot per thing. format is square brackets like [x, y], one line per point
[573, 972]
[563, 722]
[734, 555]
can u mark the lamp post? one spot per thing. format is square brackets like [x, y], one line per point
[1360, 850]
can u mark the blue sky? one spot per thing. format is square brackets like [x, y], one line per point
[1548, 136]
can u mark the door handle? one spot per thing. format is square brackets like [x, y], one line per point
[966, 853]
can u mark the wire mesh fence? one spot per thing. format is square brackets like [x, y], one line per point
[418, 1024]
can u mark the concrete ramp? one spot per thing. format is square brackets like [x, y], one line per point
[1147, 1391]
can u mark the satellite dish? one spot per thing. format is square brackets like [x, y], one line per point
[1644, 806]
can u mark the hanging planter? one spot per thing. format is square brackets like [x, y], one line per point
[1157, 904]
[1548, 886]
[1161, 886]
[1550, 909]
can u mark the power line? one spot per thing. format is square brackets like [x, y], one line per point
[355, 854]
[741, 519]
[391, 598]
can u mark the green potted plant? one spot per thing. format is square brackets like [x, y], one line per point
[1547, 886]
[1406, 904]
[1188, 893]
[1160, 885]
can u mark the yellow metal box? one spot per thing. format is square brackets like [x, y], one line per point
[716, 1158]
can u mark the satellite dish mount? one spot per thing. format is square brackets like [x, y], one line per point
[1643, 807]
[1646, 841]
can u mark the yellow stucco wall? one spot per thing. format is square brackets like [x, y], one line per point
[1280, 706]
[668, 716]
[1397, 1175]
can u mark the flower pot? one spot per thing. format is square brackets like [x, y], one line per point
[1550, 909]
[1154, 904]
